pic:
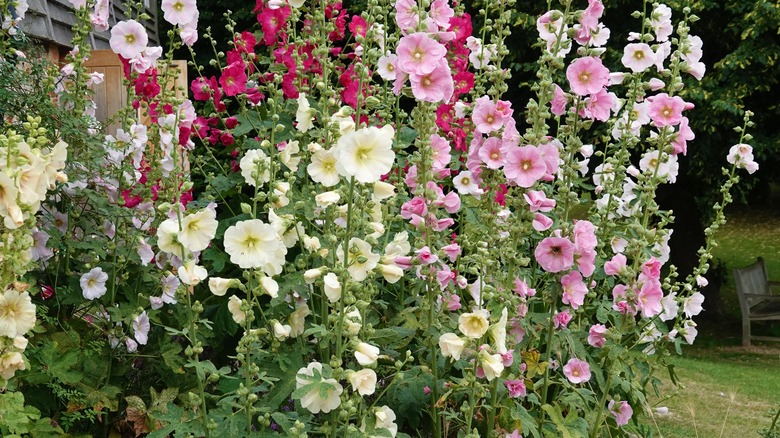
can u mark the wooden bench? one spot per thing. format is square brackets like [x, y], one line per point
[756, 299]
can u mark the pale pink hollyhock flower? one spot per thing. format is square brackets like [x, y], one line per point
[741, 156]
[616, 265]
[441, 12]
[621, 411]
[405, 16]
[516, 388]
[99, 18]
[128, 39]
[486, 116]
[661, 21]
[419, 54]
[574, 289]
[524, 166]
[558, 103]
[638, 57]
[541, 222]
[178, 12]
[491, 153]
[652, 269]
[587, 75]
[555, 254]
[665, 110]
[141, 328]
[585, 234]
[561, 319]
[508, 359]
[436, 86]
[649, 298]
[670, 307]
[425, 256]
[440, 152]
[538, 200]
[450, 301]
[551, 156]
[577, 371]
[189, 32]
[522, 289]
[596, 336]
[452, 251]
[451, 202]
[692, 305]
[655, 84]
[386, 66]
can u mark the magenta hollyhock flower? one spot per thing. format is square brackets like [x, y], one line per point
[596, 336]
[436, 86]
[621, 411]
[577, 371]
[490, 153]
[516, 388]
[358, 26]
[665, 110]
[233, 79]
[272, 22]
[486, 116]
[574, 289]
[464, 81]
[587, 75]
[524, 165]
[419, 54]
[555, 254]
[461, 25]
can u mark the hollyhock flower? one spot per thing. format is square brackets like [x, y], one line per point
[255, 244]
[198, 229]
[692, 305]
[741, 156]
[466, 184]
[169, 284]
[522, 289]
[587, 75]
[272, 22]
[325, 396]
[688, 331]
[561, 319]
[559, 101]
[366, 354]
[93, 283]
[474, 324]
[616, 265]
[451, 345]
[360, 259]
[141, 328]
[332, 287]
[358, 26]
[233, 79]
[498, 333]
[255, 167]
[541, 222]
[665, 110]
[440, 152]
[524, 165]
[303, 116]
[419, 54]
[574, 289]
[555, 254]
[461, 26]
[661, 21]
[649, 298]
[596, 336]
[577, 371]
[638, 57]
[386, 67]
[621, 411]
[363, 381]
[17, 313]
[366, 153]
[670, 307]
[219, 286]
[178, 12]
[384, 418]
[452, 251]
[538, 201]
[234, 306]
[191, 273]
[441, 13]
[436, 86]
[128, 39]
[516, 388]
[492, 365]
[480, 54]
[599, 105]
[491, 153]
[322, 168]
[167, 238]
[682, 136]
[485, 116]
[406, 16]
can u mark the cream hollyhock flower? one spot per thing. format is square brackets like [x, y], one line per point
[289, 155]
[492, 364]
[304, 115]
[219, 286]
[384, 419]
[167, 238]
[93, 283]
[327, 198]
[128, 39]
[366, 354]
[366, 154]
[322, 168]
[332, 287]
[325, 394]
[391, 273]
[311, 275]
[475, 324]
[234, 306]
[191, 273]
[10, 361]
[451, 345]
[363, 381]
[255, 168]
[198, 229]
[343, 119]
[360, 260]
[255, 244]
[383, 190]
[353, 322]
[498, 333]
[17, 313]
[281, 332]
[270, 286]
[297, 320]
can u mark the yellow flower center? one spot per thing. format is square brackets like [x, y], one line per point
[130, 38]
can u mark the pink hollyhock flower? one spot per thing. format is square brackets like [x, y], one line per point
[681, 137]
[638, 57]
[405, 17]
[202, 88]
[178, 12]
[596, 336]
[555, 254]
[444, 277]
[741, 156]
[599, 105]
[616, 265]
[441, 13]
[516, 388]
[577, 371]
[574, 289]
[128, 39]
[425, 256]
[486, 116]
[665, 110]
[451, 202]
[586, 260]
[452, 251]
[621, 411]
[538, 201]
[100, 17]
[419, 54]
[652, 269]
[524, 166]
[245, 42]
[522, 289]
[491, 153]
[450, 301]
[585, 234]
[414, 206]
[587, 75]
[435, 86]
[558, 103]
[551, 156]
[589, 20]
[561, 319]
[440, 151]
[541, 222]
[508, 359]
[661, 22]
[233, 79]
[649, 298]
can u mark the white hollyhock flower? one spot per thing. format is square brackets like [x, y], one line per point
[93, 283]
[692, 305]
[324, 397]
[297, 320]
[17, 313]
[475, 324]
[141, 328]
[270, 286]
[366, 354]
[128, 39]
[281, 332]
[322, 168]
[234, 306]
[384, 418]
[178, 12]
[327, 198]
[492, 364]
[360, 260]
[304, 115]
[219, 286]
[465, 184]
[289, 155]
[255, 168]
[451, 345]
[191, 273]
[386, 67]
[332, 287]
[255, 244]
[198, 229]
[363, 381]
[167, 238]
[366, 153]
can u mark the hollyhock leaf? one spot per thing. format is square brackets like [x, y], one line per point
[216, 257]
